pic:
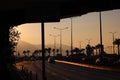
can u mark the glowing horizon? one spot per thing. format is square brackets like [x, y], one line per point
[84, 27]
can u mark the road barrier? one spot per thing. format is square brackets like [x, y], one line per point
[28, 75]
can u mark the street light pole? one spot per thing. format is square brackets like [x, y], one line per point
[80, 44]
[88, 41]
[102, 49]
[54, 41]
[61, 41]
[61, 37]
[113, 41]
[71, 36]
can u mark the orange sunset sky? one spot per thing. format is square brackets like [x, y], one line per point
[84, 27]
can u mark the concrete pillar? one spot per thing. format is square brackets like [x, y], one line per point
[4, 51]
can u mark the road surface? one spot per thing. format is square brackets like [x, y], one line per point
[62, 71]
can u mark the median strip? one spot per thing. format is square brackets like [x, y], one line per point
[88, 66]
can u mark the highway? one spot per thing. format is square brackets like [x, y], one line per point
[62, 71]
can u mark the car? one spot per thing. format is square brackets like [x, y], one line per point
[51, 60]
[33, 59]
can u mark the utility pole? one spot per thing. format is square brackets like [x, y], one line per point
[102, 49]
[80, 44]
[71, 36]
[61, 37]
[54, 41]
[88, 41]
[113, 41]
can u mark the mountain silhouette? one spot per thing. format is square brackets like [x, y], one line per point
[22, 45]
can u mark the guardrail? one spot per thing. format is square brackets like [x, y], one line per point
[27, 75]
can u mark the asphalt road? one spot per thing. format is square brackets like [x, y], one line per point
[62, 71]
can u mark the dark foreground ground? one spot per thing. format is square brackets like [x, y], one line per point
[61, 70]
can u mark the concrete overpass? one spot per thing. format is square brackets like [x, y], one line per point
[16, 12]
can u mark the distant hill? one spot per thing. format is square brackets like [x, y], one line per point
[22, 45]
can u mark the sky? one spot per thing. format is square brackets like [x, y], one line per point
[85, 28]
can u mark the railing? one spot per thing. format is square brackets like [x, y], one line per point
[27, 75]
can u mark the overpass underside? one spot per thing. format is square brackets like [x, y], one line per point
[15, 12]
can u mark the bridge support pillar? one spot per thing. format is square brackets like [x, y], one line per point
[5, 51]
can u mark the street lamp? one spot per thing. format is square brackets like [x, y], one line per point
[61, 37]
[54, 41]
[71, 36]
[113, 41]
[102, 48]
[80, 44]
[88, 41]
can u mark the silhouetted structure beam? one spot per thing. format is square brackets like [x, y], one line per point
[5, 51]
[43, 52]
[29, 11]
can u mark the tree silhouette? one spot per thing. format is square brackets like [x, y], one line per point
[82, 50]
[49, 51]
[39, 52]
[24, 53]
[35, 53]
[67, 52]
[53, 50]
[28, 51]
[89, 50]
[14, 37]
[57, 51]
[18, 54]
[117, 42]
[76, 50]
[98, 47]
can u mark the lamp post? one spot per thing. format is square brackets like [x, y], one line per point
[71, 36]
[113, 41]
[80, 44]
[102, 48]
[61, 37]
[88, 41]
[54, 41]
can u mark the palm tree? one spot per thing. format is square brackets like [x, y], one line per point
[46, 50]
[98, 47]
[18, 54]
[24, 52]
[28, 51]
[67, 52]
[57, 51]
[76, 50]
[39, 52]
[53, 50]
[117, 42]
[89, 50]
[49, 51]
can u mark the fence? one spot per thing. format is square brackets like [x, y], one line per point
[27, 75]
